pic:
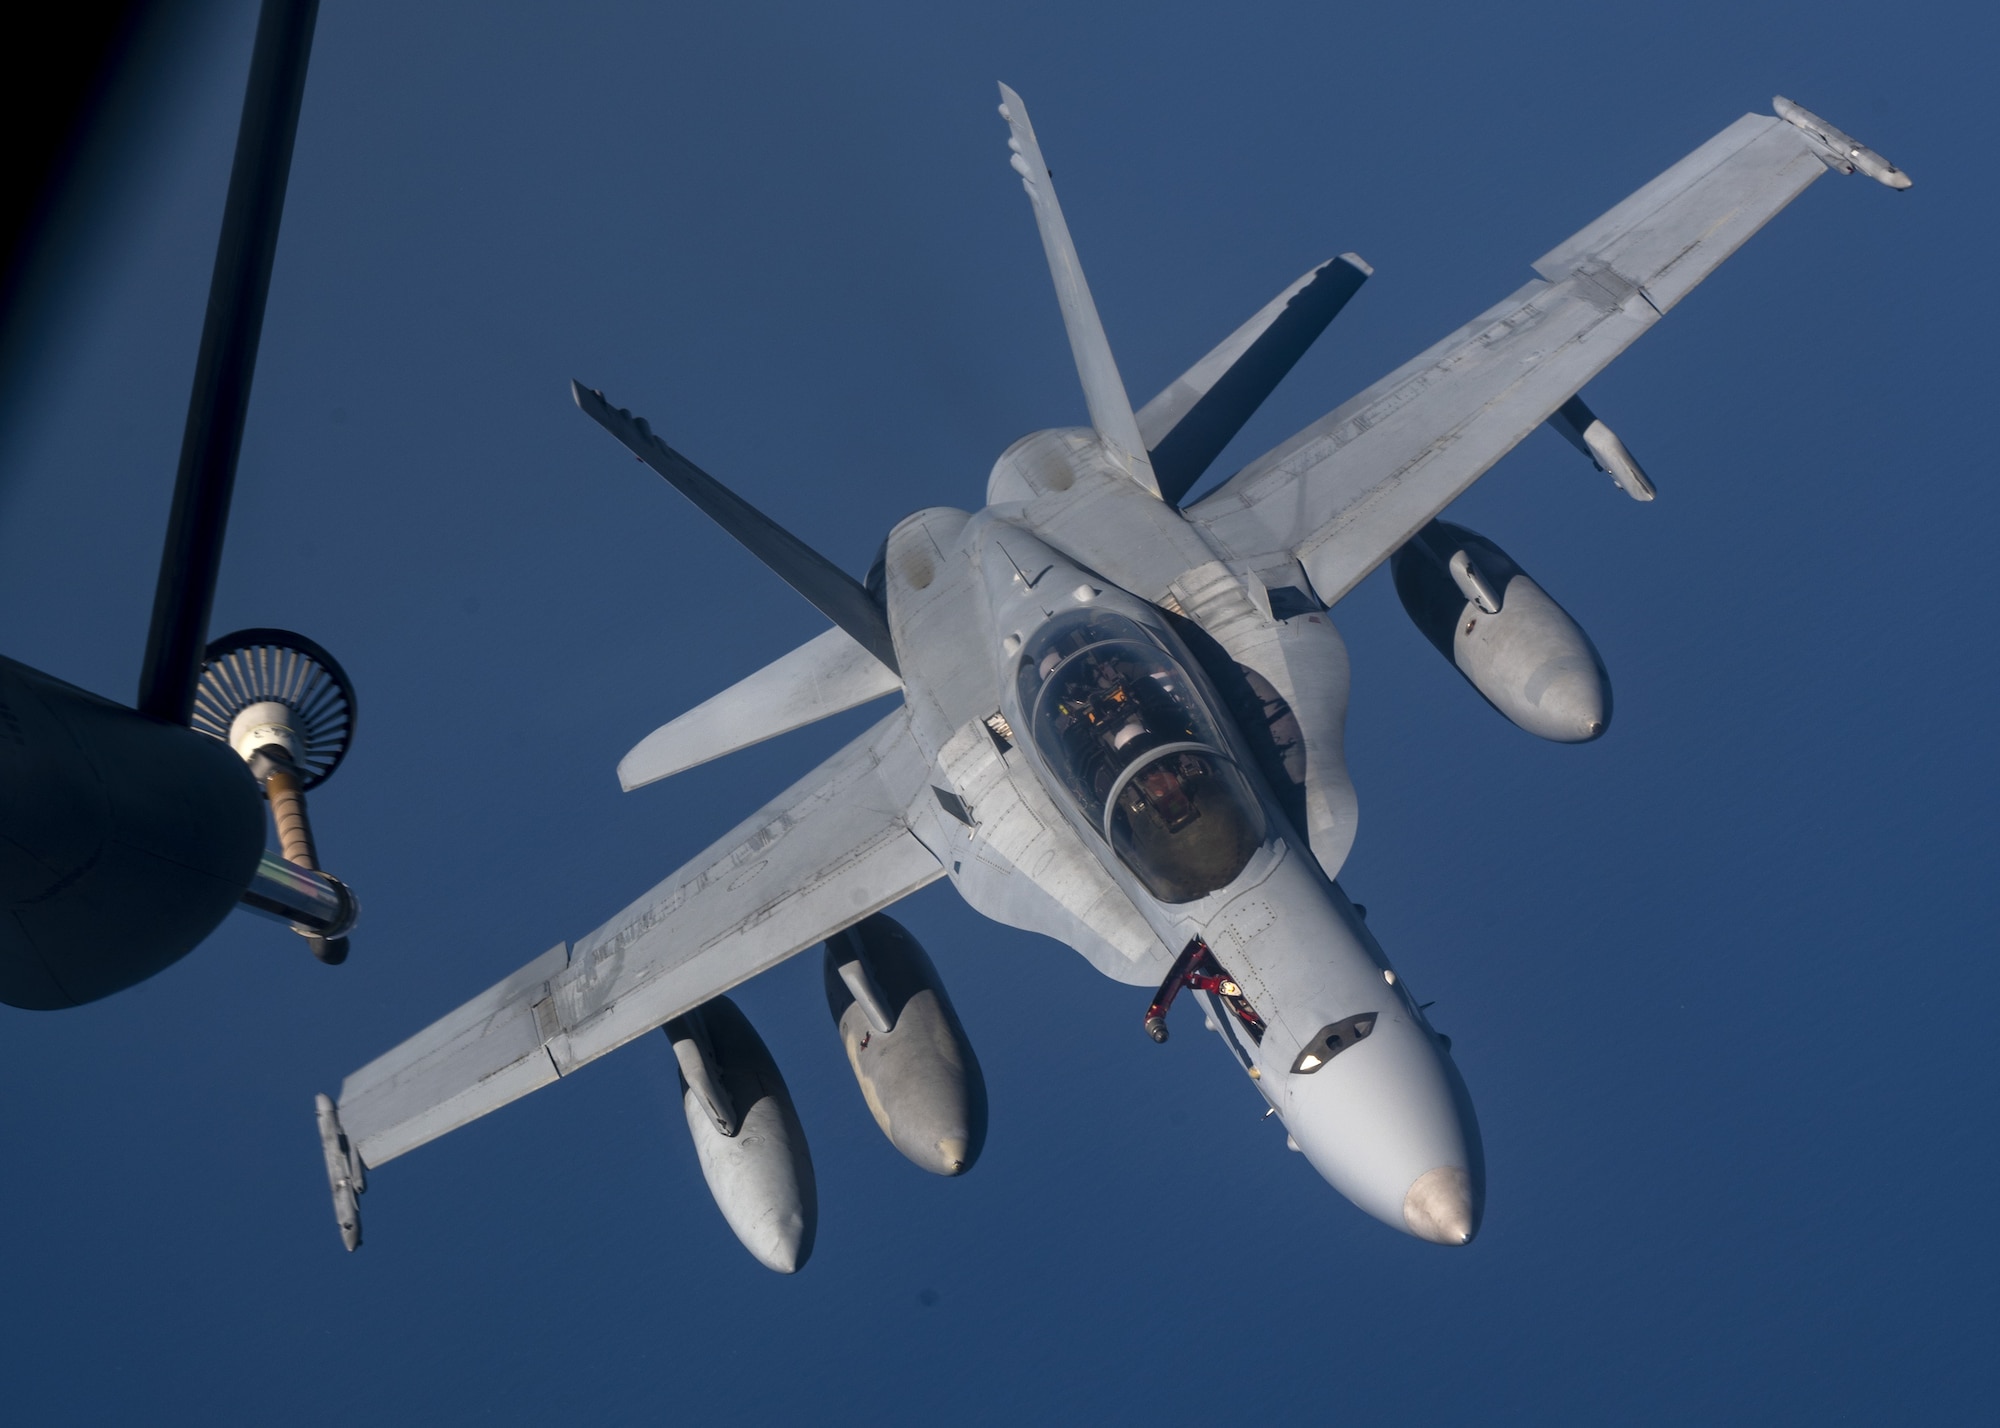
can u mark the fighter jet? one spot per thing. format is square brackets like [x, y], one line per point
[1120, 726]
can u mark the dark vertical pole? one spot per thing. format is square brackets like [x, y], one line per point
[228, 359]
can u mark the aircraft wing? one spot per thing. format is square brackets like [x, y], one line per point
[1345, 493]
[831, 849]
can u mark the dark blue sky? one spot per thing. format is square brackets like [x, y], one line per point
[1721, 984]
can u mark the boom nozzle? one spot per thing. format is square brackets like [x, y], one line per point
[285, 705]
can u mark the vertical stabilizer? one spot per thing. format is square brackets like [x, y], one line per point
[832, 591]
[1103, 388]
[1187, 426]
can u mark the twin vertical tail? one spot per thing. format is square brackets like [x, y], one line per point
[1186, 426]
[831, 590]
[1167, 445]
[1103, 388]
[1164, 448]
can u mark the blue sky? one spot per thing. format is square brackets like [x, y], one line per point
[1720, 983]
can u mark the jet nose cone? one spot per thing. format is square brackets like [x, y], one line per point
[1443, 1207]
[1389, 1125]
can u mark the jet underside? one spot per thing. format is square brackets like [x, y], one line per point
[1121, 726]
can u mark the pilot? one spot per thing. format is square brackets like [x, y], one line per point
[1166, 796]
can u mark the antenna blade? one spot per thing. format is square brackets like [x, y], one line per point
[228, 360]
[1103, 388]
[836, 594]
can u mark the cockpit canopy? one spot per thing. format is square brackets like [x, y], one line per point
[1127, 733]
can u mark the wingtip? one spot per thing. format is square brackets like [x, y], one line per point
[643, 765]
[345, 1171]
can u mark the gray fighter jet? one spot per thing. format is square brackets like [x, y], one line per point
[1120, 726]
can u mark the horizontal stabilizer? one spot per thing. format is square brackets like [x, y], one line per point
[1186, 426]
[1103, 389]
[820, 678]
[832, 591]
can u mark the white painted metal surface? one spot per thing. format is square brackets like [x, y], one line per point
[1243, 684]
[824, 676]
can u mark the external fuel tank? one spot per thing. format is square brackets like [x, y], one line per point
[1499, 629]
[746, 1134]
[903, 1039]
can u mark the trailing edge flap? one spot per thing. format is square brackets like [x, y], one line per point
[833, 848]
[822, 677]
[1103, 388]
[1186, 426]
[832, 591]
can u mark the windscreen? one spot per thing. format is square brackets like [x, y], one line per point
[1128, 736]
